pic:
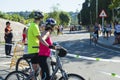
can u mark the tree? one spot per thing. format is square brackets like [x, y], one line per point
[55, 15]
[114, 4]
[88, 11]
[31, 14]
[85, 13]
[1, 14]
[64, 18]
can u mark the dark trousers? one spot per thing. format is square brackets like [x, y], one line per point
[8, 49]
[8, 46]
[45, 66]
[8, 43]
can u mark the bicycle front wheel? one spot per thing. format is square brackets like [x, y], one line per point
[23, 65]
[73, 77]
[16, 75]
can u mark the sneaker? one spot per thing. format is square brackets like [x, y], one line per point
[7, 56]
[11, 55]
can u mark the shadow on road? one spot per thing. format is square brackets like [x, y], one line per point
[83, 48]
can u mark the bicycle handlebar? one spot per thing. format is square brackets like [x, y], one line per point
[35, 47]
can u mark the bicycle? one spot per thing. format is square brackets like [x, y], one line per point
[93, 38]
[61, 52]
[24, 64]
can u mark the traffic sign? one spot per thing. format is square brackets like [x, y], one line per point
[103, 14]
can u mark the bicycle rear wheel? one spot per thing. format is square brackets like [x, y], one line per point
[16, 75]
[23, 65]
[73, 77]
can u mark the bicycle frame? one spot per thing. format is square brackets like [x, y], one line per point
[58, 66]
[32, 73]
[93, 38]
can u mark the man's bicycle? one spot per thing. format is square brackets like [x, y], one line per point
[23, 75]
[93, 38]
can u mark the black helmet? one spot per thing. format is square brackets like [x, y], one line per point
[51, 22]
[38, 15]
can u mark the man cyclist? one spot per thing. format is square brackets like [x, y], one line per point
[34, 38]
[96, 30]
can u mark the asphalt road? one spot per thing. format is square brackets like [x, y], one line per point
[77, 43]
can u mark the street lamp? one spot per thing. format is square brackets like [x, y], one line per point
[80, 20]
[77, 11]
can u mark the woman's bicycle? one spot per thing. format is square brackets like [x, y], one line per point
[28, 73]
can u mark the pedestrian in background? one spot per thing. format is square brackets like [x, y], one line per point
[58, 30]
[8, 39]
[117, 33]
[96, 30]
[24, 35]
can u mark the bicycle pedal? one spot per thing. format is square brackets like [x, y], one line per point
[55, 77]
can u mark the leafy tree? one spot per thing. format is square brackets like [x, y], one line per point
[55, 15]
[114, 4]
[64, 18]
[31, 14]
[89, 11]
[85, 13]
[1, 14]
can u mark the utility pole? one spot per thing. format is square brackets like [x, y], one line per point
[113, 16]
[80, 18]
[96, 10]
[89, 5]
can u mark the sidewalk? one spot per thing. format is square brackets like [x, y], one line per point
[108, 43]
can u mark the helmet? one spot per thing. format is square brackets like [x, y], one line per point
[50, 21]
[38, 15]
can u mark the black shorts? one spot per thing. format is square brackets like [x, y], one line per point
[35, 59]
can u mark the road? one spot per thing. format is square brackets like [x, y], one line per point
[77, 43]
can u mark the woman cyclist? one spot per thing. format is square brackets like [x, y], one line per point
[44, 53]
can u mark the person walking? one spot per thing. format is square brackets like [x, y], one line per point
[8, 39]
[24, 35]
[44, 51]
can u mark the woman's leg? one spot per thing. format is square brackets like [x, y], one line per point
[44, 64]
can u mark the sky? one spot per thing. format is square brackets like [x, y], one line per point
[41, 5]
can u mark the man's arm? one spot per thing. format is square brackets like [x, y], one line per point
[43, 41]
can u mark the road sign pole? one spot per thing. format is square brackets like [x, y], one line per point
[103, 15]
[102, 22]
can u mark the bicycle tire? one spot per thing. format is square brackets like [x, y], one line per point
[24, 63]
[95, 42]
[16, 75]
[73, 77]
